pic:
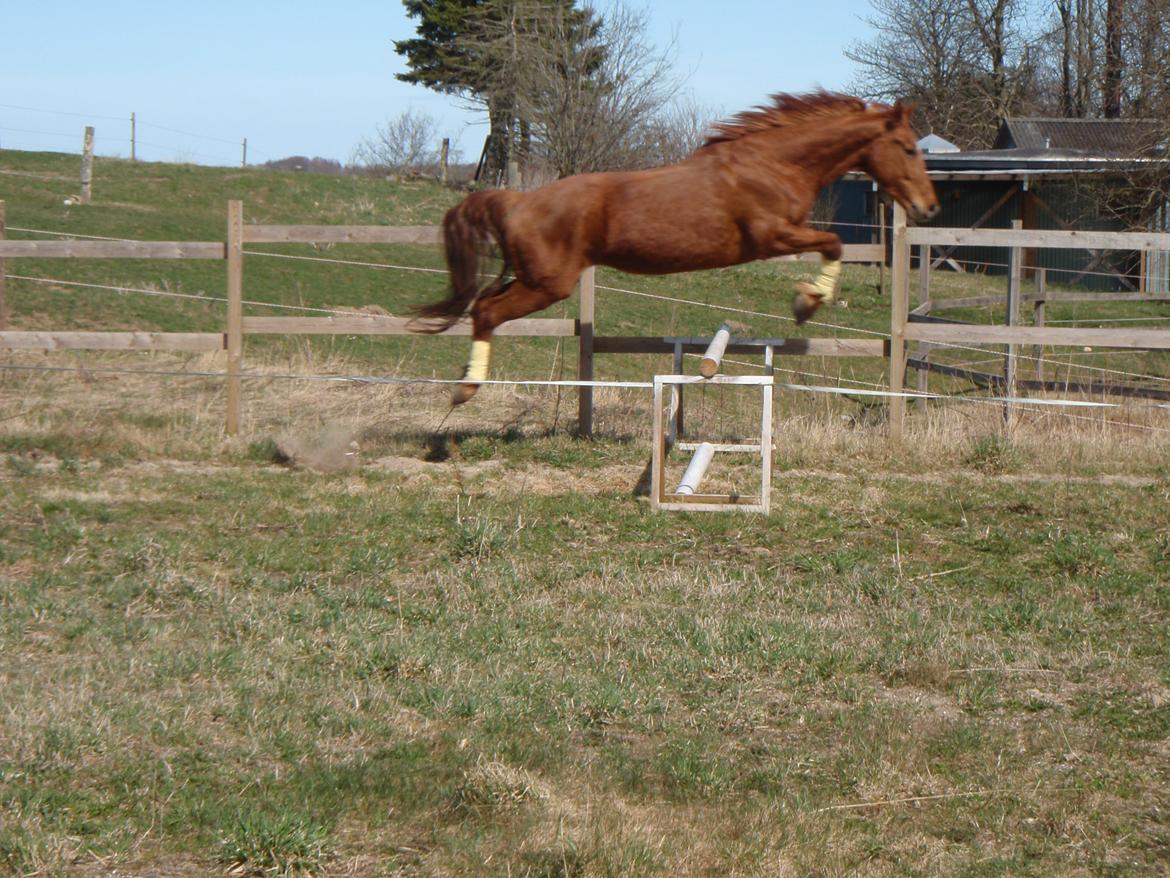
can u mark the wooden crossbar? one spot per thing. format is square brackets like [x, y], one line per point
[714, 353]
[113, 249]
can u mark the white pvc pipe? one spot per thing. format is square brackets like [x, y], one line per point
[696, 469]
[715, 350]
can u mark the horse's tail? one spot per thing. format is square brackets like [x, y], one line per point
[467, 228]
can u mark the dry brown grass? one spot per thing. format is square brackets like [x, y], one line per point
[332, 425]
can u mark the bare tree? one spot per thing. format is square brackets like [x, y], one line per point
[965, 62]
[408, 142]
[925, 51]
[584, 87]
[1111, 86]
[603, 122]
[1005, 56]
[1146, 36]
[676, 131]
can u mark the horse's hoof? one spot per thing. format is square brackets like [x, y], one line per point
[462, 393]
[805, 302]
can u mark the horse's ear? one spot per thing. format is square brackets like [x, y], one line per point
[901, 113]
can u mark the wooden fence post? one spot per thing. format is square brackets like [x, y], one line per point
[235, 312]
[1038, 318]
[133, 138]
[444, 156]
[1011, 365]
[923, 273]
[585, 352]
[87, 166]
[3, 268]
[899, 309]
[922, 377]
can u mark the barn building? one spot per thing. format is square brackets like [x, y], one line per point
[1048, 173]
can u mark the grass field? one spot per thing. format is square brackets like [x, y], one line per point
[349, 642]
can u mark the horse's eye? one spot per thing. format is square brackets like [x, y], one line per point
[911, 152]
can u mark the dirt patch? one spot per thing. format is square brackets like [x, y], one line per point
[550, 481]
[414, 466]
[328, 452]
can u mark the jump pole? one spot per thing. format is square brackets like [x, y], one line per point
[696, 469]
[714, 355]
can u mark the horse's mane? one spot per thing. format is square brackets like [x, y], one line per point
[786, 109]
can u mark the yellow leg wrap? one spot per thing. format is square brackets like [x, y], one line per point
[477, 366]
[827, 280]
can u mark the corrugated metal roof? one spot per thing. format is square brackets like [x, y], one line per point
[1102, 137]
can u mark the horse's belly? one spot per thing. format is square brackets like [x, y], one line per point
[672, 248]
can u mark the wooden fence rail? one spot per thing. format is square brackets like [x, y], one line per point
[184, 342]
[1057, 239]
[374, 324]
[112, 249]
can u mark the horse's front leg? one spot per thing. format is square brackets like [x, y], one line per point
[800, 239]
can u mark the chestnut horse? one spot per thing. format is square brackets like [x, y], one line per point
[745, 194]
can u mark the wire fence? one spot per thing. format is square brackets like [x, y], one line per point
[1064, 360]
[117, 137]
[843, 386]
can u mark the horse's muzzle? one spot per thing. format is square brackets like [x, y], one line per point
[924, 214]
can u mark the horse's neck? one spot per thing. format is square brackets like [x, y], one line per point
[830, 150]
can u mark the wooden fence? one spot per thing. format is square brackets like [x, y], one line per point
[902, 329]
[237, 327]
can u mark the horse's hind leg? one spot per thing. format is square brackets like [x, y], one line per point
[516, 300]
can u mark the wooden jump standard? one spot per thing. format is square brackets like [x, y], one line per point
[686, 496]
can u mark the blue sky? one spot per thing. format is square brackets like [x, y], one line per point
[312, 78]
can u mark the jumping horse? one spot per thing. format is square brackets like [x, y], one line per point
[745, 194]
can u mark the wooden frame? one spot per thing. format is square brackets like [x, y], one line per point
[698, 502]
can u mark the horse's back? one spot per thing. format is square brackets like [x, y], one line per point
[660, 220]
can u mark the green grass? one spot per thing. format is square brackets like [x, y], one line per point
[453, 675]
[353, 642]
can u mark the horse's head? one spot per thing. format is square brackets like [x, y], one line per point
[893, 160]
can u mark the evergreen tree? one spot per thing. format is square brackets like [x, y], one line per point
[482, 50]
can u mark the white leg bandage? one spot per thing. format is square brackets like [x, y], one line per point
[477, 366]
[826, 282]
